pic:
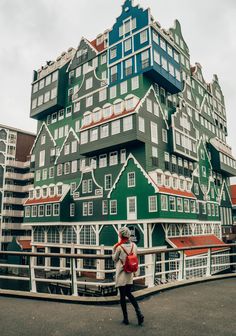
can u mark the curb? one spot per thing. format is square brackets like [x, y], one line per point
[109, 300]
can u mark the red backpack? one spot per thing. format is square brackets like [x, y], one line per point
[131, 262]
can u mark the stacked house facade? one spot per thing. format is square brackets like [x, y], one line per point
[129, 133]
[15, 181]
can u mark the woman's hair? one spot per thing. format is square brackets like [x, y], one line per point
[124, 232]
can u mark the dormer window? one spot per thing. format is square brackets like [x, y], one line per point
[107, 112]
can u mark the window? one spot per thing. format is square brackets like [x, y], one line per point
[87, 208]
[34, 211]
[89, 101]
[164, 63]
[156, 109]
[68, 111]
[45, 174]
[42, 158]
[131, 179]
[85, 186]
[131, 208]
[162, 44]
[35, 87]
[74, 166]
[105, 207]
[149, 105]
[128, 44]
[59, 170]
[34, 103]
[77, 106]
[67, 168]
[84, 137]
[143, 37]
[43, 139]
[72, 209]
[67, 149]
[164, 136]
[89, 83]
[41, 210]
[41, 84]
[128, 67]
[164, 204]
[157, 57]
[114, 73]
[135, 83]
[113, 207]
[104, 131]
[78, 72]
[196, 189]
[94, 134]
[60, 132]
[104, 58]
[103, 95]
[179, 205]
[102, 161]
[141, 124]
[74, 146]
[145, 59]
[56, 209]
[118, 108]
[113, 52]
[172, 204]
[53, 93]
[186, 205]
[48, 211]
[27, 212]
[154, 133]
[54, 76]
[113, 92]
[113, 158]
[127, 123]
[152, 203]
[108, 182]
[155, 37]
[123, 87]
[122, 155]
[59, 189]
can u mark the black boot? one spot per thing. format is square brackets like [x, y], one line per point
[140, 317]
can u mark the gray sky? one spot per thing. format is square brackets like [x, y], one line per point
[33, 31]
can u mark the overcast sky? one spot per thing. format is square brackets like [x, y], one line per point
[35, 31]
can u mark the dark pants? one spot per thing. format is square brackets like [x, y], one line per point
[125, 291]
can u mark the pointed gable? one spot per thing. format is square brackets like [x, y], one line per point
[70, 148]
[225, 197]
[88, 187]
[84, 53]
[44, 142]
[143, 180]
[177, 35]
[204, 167]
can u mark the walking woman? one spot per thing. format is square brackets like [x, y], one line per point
[124, 280]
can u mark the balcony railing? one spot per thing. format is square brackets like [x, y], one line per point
[14, 200]
[12, 213]
[17, 176]
[157, 267]
[17, 164]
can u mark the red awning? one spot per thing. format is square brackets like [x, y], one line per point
[192, 241]
[25, 244]
[172, 191]
[42, 200]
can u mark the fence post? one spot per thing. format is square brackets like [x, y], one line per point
[73, 277]
[208, 270]
[163, 267]
[100, 265]
[182, 271]
[150, 269]
[32, 283]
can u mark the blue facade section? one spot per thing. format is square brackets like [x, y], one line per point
[150, 53]
[128, 13]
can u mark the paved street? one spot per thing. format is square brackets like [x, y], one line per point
[204, 309]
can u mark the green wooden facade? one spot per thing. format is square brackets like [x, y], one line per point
[133, 136]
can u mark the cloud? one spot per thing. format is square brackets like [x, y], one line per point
[32, 32]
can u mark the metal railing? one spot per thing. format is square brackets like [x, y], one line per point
[93, 274]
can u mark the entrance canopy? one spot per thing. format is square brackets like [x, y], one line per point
[192, 241]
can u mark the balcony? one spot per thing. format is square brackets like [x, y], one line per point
[18, 164]
[221, 158]
[19, 177]
[14, 200]
[14, 226]
[12, 213]
[13, 187]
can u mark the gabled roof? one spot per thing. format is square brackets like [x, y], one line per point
[131, 157]
[99, 47]
[175, 192]
[192, 241]
[39, 133]
[71, 130]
